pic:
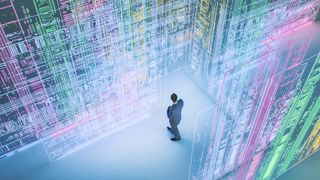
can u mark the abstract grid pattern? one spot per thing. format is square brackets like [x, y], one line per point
[265, 87]
[73, 70]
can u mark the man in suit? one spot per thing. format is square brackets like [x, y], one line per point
[174, 115]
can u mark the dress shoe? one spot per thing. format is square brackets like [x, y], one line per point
[174, 139]
[169, 129]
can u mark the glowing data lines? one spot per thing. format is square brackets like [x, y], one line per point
[303, 111]
[256, 103]
[254, 71]
[133, 44]
[313, 142]
[72, 71]
[231, 28]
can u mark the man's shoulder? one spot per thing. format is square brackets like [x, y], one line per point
[181, 103]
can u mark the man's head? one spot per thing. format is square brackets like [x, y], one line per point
[174, 97]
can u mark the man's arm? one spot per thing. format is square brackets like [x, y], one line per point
[181, 103]
[169, 113]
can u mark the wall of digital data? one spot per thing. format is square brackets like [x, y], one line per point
[74, 70]
[265, 86]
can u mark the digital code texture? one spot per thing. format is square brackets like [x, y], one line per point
[265, 84]
[74, 70]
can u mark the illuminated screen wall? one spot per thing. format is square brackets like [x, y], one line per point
[265, 85]
[72, 70]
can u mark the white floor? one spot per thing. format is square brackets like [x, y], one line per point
[141, 151]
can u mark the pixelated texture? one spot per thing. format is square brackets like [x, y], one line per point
[73, 70]
[265, 88]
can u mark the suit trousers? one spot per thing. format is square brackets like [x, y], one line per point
[175, 130]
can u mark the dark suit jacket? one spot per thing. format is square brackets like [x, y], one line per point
[174, 112]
